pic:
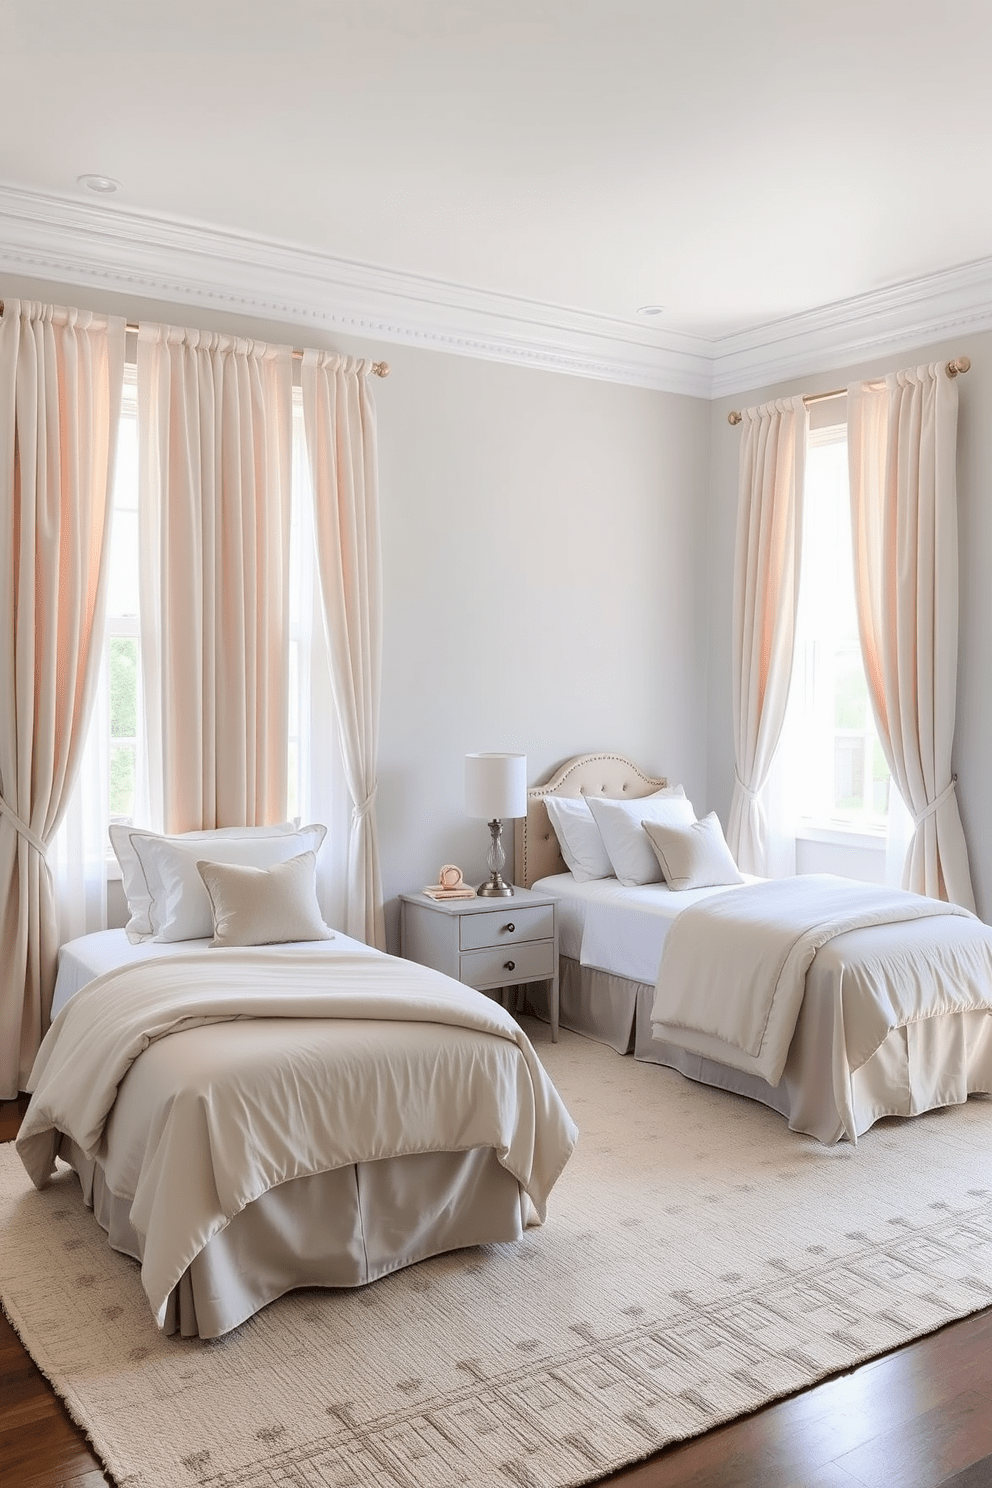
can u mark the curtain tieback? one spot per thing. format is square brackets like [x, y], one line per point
[361, 809]
[752, 795]
[21, 826]
[937, 802]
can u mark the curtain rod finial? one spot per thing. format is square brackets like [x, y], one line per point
[734, 417]
[381, 369]
[959, 364]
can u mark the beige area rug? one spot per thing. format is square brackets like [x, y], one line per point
[699, 1260]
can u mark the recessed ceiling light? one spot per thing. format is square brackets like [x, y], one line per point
[651, 310]
[104, 185]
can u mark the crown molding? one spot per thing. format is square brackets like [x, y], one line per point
[127, 252]
[184, 263]
[916, 313]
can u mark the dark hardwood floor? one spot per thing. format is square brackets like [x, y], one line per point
[920, 1417]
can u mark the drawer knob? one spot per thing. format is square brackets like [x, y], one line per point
[510, 927]
[510, 966]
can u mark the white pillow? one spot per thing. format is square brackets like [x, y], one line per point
[180, 904]
[579, 838]
[696, 856]
[633, 858]
[264, 906]
[139, 926]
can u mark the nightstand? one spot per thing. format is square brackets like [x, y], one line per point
[486, 943]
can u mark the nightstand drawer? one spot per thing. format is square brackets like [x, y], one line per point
[499, 965]
[506, 926]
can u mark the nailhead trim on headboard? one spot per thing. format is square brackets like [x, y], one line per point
[622, 776]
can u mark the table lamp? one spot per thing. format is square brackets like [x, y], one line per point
[496, 790]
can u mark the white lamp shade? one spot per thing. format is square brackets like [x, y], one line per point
[496, 786]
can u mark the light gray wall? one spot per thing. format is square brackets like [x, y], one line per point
[973, 725]
[543, 537]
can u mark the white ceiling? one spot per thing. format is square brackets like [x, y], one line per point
[544, 166]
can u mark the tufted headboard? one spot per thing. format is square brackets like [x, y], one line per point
[536, 852]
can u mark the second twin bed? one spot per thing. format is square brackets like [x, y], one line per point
[892, 1017]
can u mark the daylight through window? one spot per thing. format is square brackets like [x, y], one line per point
[842, 780]
[122, 655]
[121, 687]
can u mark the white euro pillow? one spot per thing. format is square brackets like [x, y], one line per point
[139, 926]
[264, 906]
[579, 838]
[180, 904]
[631, 854]
[694, 857]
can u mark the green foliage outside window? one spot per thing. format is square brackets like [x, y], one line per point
[123, 723]
[851, 697]
[122, 780]
[123, 687]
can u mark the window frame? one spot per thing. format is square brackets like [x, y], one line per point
[810, 701]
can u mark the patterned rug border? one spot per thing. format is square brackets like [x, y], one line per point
[516, 1389]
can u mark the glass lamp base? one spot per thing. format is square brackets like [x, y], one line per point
[494, 886]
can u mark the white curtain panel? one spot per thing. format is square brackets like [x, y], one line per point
[339, 415]
[77, 853]
[321, 790]
[766, 592]
[61, 373]
[902, 439]
[215, 440]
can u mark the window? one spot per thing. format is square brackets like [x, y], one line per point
[120, 691]
[300, 617]
[841, 778]
[122, 645]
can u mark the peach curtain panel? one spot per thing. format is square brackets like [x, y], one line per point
[902, 438]
[215, 439]
[766, 592]
[339, 415]
[61, 374]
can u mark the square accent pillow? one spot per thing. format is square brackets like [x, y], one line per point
[264, 906]
[633, 858]
[694, 857]
[139, 926]
[180, 905]
[579, 838]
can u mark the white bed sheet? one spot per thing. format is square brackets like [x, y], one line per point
[80, 961]
[607, 927]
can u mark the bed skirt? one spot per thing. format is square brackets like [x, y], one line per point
[935, 1062]
[596, 1004]
[342, 1228]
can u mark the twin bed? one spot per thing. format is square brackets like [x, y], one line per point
[250, 1118]
[930, 1044]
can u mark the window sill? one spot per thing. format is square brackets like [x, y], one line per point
[841, 836]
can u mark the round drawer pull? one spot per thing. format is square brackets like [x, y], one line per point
[510, 927]
[510, 966]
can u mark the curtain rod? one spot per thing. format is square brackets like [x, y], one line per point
[381, 369]
[959, 364]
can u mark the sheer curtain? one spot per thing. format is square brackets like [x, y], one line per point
[318, 788]
[339, 415]
[215, 423]
[766, 592]
[77, 855]
[60, 390]
[902, 437]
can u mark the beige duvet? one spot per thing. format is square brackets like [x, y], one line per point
[348, 1057]
[734, 969]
